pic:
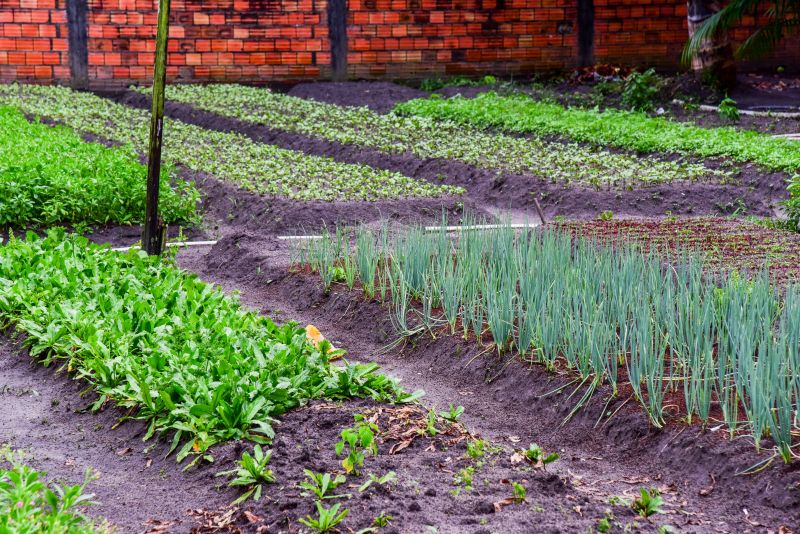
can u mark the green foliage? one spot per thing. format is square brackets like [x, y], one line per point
[179, 353]
[623, 129]
[519, 492]
[231, 157]
[648, 503]
[434, 84]
[728, 110]
[359, 441]
[382, 520]
[536, 455]
[50, 175]
[465, 477]
[28, 504]
[782, 19]
[327, 518]
[604, 525]
[427, 138]
[640, 89]
[614, 311]
[321, 485]
[606, 215]
[430, 428]
[252, 473]
[372, 478]
[478, 448]
[793, 204]
[453, 414]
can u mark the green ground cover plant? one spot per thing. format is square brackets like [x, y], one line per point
[617, 315]
[179, 353]
[30, 504]
[231, 157]
[50, 175]
[623, 129]
[428, 138]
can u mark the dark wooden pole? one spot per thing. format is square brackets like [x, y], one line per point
[78, 39]
[153, 235]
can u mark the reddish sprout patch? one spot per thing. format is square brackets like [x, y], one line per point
[729, 244]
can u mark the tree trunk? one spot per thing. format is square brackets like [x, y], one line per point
[714, 61]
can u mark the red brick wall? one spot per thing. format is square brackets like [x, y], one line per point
[33, 40]
[396, 38]
[210, 39]
[260, 40]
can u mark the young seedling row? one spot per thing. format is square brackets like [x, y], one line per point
[651, 325]
[231, 157]
[425, 138]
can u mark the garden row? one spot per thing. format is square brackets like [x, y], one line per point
[148, 336]
[231, 157]
[629, 130]
[622, 129]
[426, 138]
[50, 175]
[727, 350]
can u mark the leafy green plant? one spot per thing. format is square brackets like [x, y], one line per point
[536, 455]
[606, 215]
[640, 89]
[604, 525]
[48, 175]
[648, 503]
[29, 504]
[476, 448]
[327, 518]
[372, 478]
[359, 441]
[176, 352]
[793, 204]
[434, 84]
[321, 485]
[520, 493]
[728, 110]
[780, 18]
[252, 473]
[430, 428]
[426, 138]
[382, 520]
[465, 477]
[453, 414]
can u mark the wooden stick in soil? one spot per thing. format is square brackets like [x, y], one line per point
[539, 209]
[154, 232]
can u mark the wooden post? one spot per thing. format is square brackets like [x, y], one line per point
[153, 235]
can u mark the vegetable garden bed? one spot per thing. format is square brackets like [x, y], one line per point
[557, 162]
[231, 157]
[598, 340]
[49, 175]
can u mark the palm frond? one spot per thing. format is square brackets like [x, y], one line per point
[783, 18]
